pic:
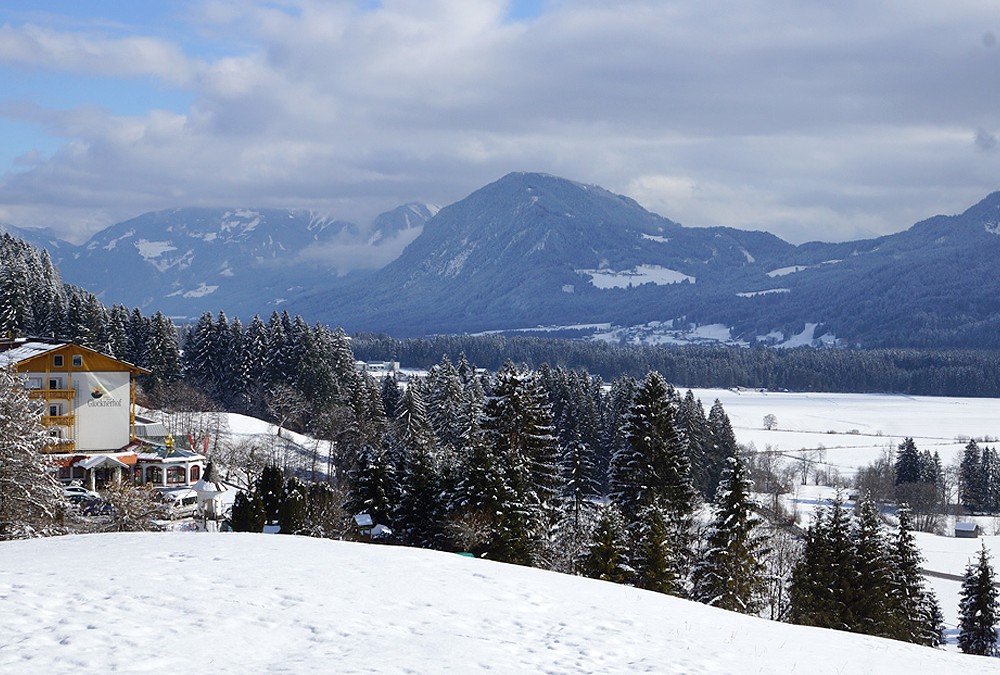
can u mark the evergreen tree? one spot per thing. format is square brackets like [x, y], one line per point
[912, 605]
[873, 613]
[293, 510]
[420, 514]
[580, 484]
[652, 471]
[824, 580]
[730, 574]
[248, 512]
[972, 481]
[607, 557]
[271, 488]
[979, 609]
[908, 464]
[391, 395]
[517, 424]
[163, 356]
[654, 562]
[374, 486]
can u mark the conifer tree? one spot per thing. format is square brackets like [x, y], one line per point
[654, 562]
[979, 609]
[911, 603]
[374, 486]
[293, 510]
[580, 484]
[652, 471]
[517, 424]
[607, 557]
[391, 395]
[248, 512]
[730, 574]
[824, 580]
[271, 487]
[873, 613]
[972, 480]
[420, 514]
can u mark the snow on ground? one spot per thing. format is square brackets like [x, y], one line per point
[641, 274]
[854, 429]
[227, 603]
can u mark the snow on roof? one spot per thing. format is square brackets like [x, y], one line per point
[203, 487]
[25, 350]
[966, 527]
[96, 461]
[150, 429]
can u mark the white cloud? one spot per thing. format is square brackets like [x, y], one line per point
[809, 120]
[37, 47]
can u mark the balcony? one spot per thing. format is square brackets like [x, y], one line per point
[58, 420]
[59, 446]
[50, 394]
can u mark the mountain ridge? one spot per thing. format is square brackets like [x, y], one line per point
[534, 249]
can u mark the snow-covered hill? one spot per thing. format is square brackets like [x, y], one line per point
[227, 603]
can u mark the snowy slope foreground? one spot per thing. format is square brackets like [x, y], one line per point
[181, 602]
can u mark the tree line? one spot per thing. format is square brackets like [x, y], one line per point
[910, 371]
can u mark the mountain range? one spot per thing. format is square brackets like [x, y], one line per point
[534, 252]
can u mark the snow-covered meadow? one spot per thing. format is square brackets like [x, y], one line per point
[854, 429]
[227, 603]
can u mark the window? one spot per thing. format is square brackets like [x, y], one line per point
[154, 474]
[77, 361]
[55, 410]
[55, 383]
[175, 474]
[34, 383]
[195, 473]
[57, 360]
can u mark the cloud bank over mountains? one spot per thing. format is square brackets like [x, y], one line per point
[810, 121]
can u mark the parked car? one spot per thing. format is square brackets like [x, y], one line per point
[79, 492]
[91, 506]
[181, 503]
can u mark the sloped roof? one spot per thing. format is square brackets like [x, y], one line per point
[14, 352]
[20, 350]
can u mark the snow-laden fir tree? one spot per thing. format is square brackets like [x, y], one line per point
[293, 510]
[517, 424]
[654, 561]
[651, 475]
[31, 502]
[579, 477]
[914, 607]
[979, 610]
[877, 571]
[420, 515]
[248, 512]
[270, 485]
[374, 485]
[730, 573]
[822, 591]
[608, 554]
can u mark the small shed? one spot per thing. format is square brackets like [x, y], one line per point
[966, 530]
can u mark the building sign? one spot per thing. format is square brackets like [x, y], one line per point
[102, 408]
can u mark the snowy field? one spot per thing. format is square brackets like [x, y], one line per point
[241, 603]
[854, 429]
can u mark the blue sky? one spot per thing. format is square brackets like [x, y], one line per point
[809, 120]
